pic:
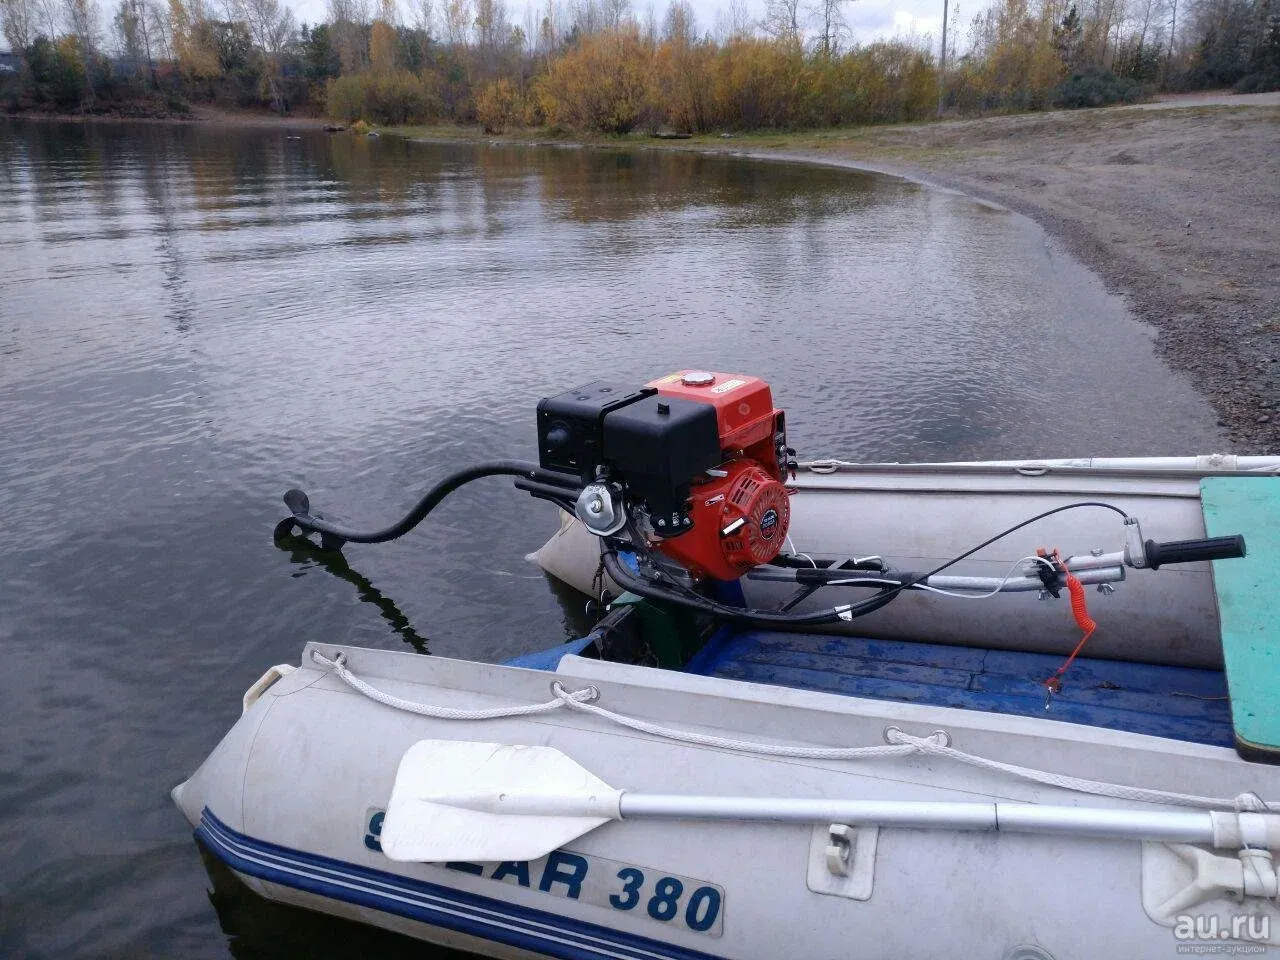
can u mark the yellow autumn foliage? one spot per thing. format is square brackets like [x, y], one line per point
[397, 97]
[499, 106]
[382, 48]
[603, 84]
[1015, 65]
[618, 80]
[194, 42]
[752, 83]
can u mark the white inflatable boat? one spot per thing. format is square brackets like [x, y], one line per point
[821, 755]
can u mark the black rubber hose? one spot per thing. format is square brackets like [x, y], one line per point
[638, 585]
[874, 603]
[629, 580]
[835, 568]
[334, 536]
[548, 491]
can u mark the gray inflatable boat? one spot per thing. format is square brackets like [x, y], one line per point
[812, 718]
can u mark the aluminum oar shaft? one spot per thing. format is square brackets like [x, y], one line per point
[1179, 827]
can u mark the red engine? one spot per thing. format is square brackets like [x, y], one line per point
[700, 457]
[740, 510]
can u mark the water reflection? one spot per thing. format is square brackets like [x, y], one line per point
[578, 613]
[259, 930]
[308, 555]
[193, 319]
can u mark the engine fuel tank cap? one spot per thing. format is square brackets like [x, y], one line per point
[698, 378]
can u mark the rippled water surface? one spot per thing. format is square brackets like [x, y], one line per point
[193, 319]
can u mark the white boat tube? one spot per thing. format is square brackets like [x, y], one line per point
[916, 516]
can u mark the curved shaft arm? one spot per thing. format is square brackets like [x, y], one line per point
[334, 536]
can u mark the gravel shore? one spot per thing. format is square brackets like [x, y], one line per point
[1177, 209]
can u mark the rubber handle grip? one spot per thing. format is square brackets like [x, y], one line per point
[1188, 551]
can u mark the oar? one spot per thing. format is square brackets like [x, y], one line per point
[485, 802]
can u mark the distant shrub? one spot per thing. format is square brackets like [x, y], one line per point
[1095, 88]
[603, 84]
[392, 98]
[1015, 62]
[1258, 82]
[10, 92]
[344, 98]
[57, 71]
[754, 83]
[498, 106]
[882, 82]
[1264, 70]
[532, 114]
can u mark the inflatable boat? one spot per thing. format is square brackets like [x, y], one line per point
[1011, 710]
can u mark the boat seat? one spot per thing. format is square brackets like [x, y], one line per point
[1248, 609]
[1182, 703]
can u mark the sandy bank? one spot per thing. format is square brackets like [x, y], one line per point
[1177, 209]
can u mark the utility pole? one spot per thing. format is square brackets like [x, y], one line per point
[1173, 36]
[942, 63]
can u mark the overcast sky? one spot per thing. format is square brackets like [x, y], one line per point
[867, 19]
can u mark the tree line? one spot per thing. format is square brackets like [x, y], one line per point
[598, 66]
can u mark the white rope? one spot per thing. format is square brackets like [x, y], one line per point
[936, 744]
[932, 747]
[899, 744]
[742, 746]
[339, 666]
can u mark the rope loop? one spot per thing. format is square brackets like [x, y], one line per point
[898, 743]
[338, 664]
[1245, 802]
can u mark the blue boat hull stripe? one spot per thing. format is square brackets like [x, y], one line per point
[535, 930]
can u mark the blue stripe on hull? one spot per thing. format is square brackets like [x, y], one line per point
[537, 931]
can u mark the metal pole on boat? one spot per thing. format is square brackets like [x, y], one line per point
[1171, 827]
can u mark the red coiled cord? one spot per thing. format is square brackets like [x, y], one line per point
[1079, 610]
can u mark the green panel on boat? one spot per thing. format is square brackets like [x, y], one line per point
[1248, 607]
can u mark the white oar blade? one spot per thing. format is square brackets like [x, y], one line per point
[453, 800]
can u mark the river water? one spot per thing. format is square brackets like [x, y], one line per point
[194, 319]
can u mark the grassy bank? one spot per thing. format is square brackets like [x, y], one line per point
[926, 143]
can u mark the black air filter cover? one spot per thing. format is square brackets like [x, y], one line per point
[657, 445]
[571, 425]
